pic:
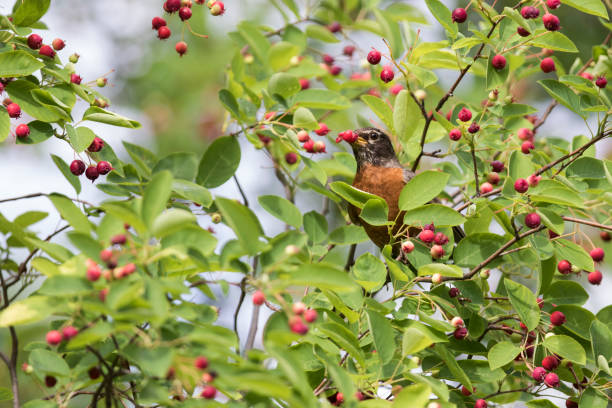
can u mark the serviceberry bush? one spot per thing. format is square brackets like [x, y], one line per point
[475, 301]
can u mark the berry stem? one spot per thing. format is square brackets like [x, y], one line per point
[193, 32]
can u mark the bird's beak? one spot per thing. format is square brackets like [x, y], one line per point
[361, 141]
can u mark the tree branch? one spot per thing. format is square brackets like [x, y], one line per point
[580, 150]
[589, 223]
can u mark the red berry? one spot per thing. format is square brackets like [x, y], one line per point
[310, 315]
[387, 75]
[22, 131]
[50, 381]
[58, 44]
[480, 403]
[299, 327]
[464, 115]
[163, 32]
[93, 273]
[334, 27]
[304, 83]
[553, 4]
[453, 292]
[339, 398]
[527, 147]
[459, 15]
[530, 12]
[486, 187]
[493, 178]
[77, 167]
[474, 127]
[437, 252]
[291, 158]
[259, 298]
[430, 227]
[407, 247]
[348, 50]
[601, 82]
[605, 236]
[335, 70]
[172, 6]
[465, 391]
[54, 337]
[201, 363]
[217, 9]
[34, 41]
[309, 146]
[94, 373]
[460, 333]
[104, 167]
[534, 180]
[119, 239]
[427, 236]
[525, 134]
[538, 374]
[455, 134]
[586, 75]
[550, 363]
[552, 380]
[564, 267]
[521, 185]
[551, 22]
[522, 32]
[47, 51]
[597, 254]
[96, 145]
[91, 173]
[395, 89]
[595, 277]
[158, 22]
[322, 130]
[209, 392]
[75, 79]
[498, 62]
[557, 318]
[13, 110]
[547, 65]
[185, 13]
[328, 59]
[374, 57]
[69, 332]
[497, 166]
[181, 48]
[440, 238]
[571, 404]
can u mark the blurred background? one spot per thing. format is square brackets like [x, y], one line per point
[175, 99]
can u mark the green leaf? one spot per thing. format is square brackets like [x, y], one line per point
[348, 234]
[48, 362]
[303, 118]
[524, 302]
[315, 225]
[452, 365]
[192, 192]
[20, 92]
[281, 53]
[559, 195]
[566, 293]
[552, 220]
[219, 162]
[575, 254]
[62, 285]
[18, 63]
[369, 272]
[283, 84]
[156, 196]
[443, 15]
[541, 403]
[244, 223]
[520, 165]
[382, 335]
[413, 396]
[92, 335]
[502, 353]
[415, 340]
[590, 398]
[153, 362]
[563, 94]
[282, 209]
[5, 394]
[345, 338]
[354, 196]
[192, 237]
[566, 347]
[39, 132]
[321, 33]
[443, 269]
[578, 320]
[29, 310]
[96, 114]
[229, 101]
[553, 40]
[595, 7]
[65, 169]
[5, 123]
[380, 108]
[375, 212]
[601, 339]
[29, 12]
[440, 215]
[322, 276]
[71, 213]
[422, 188]
[405, 114]
[182, 165]
[258, 43]
[321, 99]
[172, 220]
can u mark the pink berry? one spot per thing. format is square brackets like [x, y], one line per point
[407, 247]
[530, 12]
[181, 47]
[259, 298]
[597, 254]
[96, 145]
[58, 44]
[104, 167]
[163, 32]
[310, 315]
[427, 236]
[460, 333]
[521, 185]
[553, 4]
[571, 404]
[54, 337]
[527, 147]
[552, 380]
[440, 238]
[564, 267]
[374, 57]
[480, 403]
[454, 134]
[486, 187]
[119, 239]
[93, 273]
[34, 41]
[304, 83]
[299, 328]
[334, 27]
[595, 277]
[209, 392]
[47, 51]
[557, 318]
[550, 363]
[522, 32]
[69, 332]
[13, 110]
[75, 79]
[551, 22]
[158, 22]
[601, 82]
[348, 50]
[437, 252]
[464, 115]
[538, 374]
[22, 131]
[395, 89]
[201, 363]
[335, 70]
[322, 130]
[91, 173]
[534, 180]
[184, 13]
[291, 158]
[498, 62]
[525, 134]
[309, 146]
[328, 59]
[587, 76]
[387, 75]
[493, 178]
[547, 65]
[459, 15]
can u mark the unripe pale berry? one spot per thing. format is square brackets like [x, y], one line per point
[310, 315]
[552, 380]
[217, 9]
[557, 318]
[374, 57]
[486, 187]
[298, 308]
[436, 278]
[454, 134]
[101, 82]
[74, 58]
[457, 322]
[534, 180]
[597, 254]
[547, 65]
[319, 147]
[498, 62]
[58, 44]
[550, 363]
[464, 115]
[407, 247]
[551, 22]
[459, 15]
[493, 178]
[420, 94]
[54, 338]
[521, 185]
[22, 130]
[437, 252]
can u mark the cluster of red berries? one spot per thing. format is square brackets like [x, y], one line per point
[92, 172]
[55, 337]
[348, 136]
[109, 257]
[601, 82]
[565, 268]
[14, 111]
[428, 236]
[544, 373]
[301, 314]
[310, 145]
[464, 116]
[183, 7]
[386, 74]
[35, 42]
[460, 332]
[209, 391]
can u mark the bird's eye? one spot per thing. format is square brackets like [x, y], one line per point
[373, 136]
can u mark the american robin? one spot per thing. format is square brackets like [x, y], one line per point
[379, 172]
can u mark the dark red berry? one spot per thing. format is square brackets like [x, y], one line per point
[209, 392]
[460, 333]
[50, 381]
[474, 128]
[22, 131]
[571, 404]
[527, 147]
[459, 15]
[538, 374]
[291, 158]
[497, 166]
[521, 185]
[440, 238]
[34, 41]
[498, 62]
[605, 236]
[453, 292]
[595, 277]
[334, 27]
[172, 6]
[553, 4]
[551, 22]
[601, 82]
[557, 318]
[547, 65]
[335, 70]
[455, 134]
[94, 373]
[158, 22]
[464, 115]
[348, 50]
[77, 167]
[387, 75]
[91, 173]
[185, 13]
[374, 57]
[13, 110]
[550, 363]
[522, 32]
[75, 79]
[201, 362]
[552, 380]
[163, 32]
[104, 167]
[530, 12]
[96, 145]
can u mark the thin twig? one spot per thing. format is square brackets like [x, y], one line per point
[244, 198]
[587, 222]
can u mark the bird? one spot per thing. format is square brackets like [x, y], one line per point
[380, 172]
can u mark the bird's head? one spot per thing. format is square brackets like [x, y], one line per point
[373, 147]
